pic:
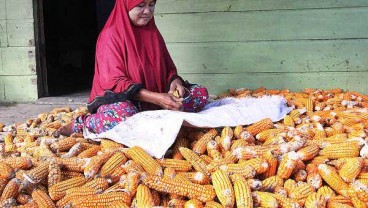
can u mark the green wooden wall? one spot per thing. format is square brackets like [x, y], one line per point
[279, 44]
[18, 79]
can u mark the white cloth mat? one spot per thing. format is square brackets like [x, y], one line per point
[156, 131]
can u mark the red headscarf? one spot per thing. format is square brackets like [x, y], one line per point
[127, 55]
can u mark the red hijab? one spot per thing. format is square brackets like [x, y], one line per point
[127, 55]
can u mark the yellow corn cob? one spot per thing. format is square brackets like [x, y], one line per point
[140, 156]
[287, 165]
[243, 194]
[132, 182]
[196, 177]
[238, 143]
[114, 162]
[95, 164]
[309, 104]
[237, 130]
[264, 199]
[326, 192]
[206, 159]
[194, 191]
[104, 200]
[54, 174]
[289, 185]
[169, 172]
[24, 198]
[118, 172]
[269, 184]
[308, 152]
[280, 190]
[346, 149]
[223, 188]
[144, 197]
[193, 203]
[268, 133]
[181, 142]
[64, 144]
[90, 152]
[97, 184]
[42, 199]
[351, 169]
[53, 125]
[118, 185]
[73, 151]
[178, 165]
[131, 165]
[213, 150]
[340, 199]
[313, 177]
[331, 177]
[227, 135]
[259, 126]
[74, 164]
[285, 201]
[8, 202]
[213, 204]
[272, 164]
[11, 190]
[69, 174]
[58, 190]
[6, 172]
[288, 121]
[35, 175]
[315, 200]
[338, 205]
[118, 204]
[18, 162]
[301, 191]
[243, 169]
[75, 194]
[9, 145]
[107, 144]
[300, 175]
[201, 145]
[194, 159]
[357, 202]
[295, 115]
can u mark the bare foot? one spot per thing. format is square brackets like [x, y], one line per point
[66, 130]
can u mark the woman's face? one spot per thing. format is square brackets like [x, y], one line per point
[142, 13]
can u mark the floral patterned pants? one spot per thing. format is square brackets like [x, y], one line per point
[108, 116]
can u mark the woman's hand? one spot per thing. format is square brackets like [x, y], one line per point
[168, 101]
[176, 84]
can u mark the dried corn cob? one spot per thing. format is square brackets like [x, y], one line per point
[64, 144]
[335, 151]
[104, 199]
[301, 191]
[58, 190]
[201, 145]
[264, 199]
[269, 184]
[315, 200]
[6, 172]
[308, 152]
[54, 174]
[194, 191]
[178, 165]
[132, 182]
[75, 194]
[107, 144]
[36, 174]
[313, 177]
[194, 159]
[140, 156]
[193, 203]
[18, 162]
[97, 184]
[331, 177]
[351, 169]
[287, 165]
[114, 162]
[42, 199]
[259, 126]
[92, 168]
[90, 152]
[223, 188]
[181, 142]
[144, 197]
[11, 190]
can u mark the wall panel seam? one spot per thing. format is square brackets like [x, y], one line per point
[255, 41]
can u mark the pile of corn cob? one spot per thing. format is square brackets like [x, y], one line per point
[317, 156]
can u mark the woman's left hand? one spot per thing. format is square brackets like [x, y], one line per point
[176, 84]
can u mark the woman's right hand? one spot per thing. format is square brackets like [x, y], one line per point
[168, 101]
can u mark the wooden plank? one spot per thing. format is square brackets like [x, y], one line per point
[20, 88]
[217, 83]
[190, 6]
[19, 9]
[20, 32]
[19, 61]
[275, 56]
[2, 10]
[3, 35]
[267, 25]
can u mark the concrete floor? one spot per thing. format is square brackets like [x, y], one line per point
[19, 112]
